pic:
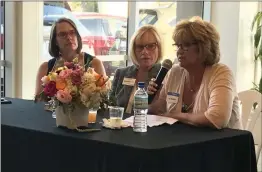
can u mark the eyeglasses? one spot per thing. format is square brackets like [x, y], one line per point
[71, 33]
[184, 47]
[149, 47]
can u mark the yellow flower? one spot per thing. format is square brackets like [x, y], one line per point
[52, 76]
[75, 60]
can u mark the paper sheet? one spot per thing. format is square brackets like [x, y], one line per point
[153, 120]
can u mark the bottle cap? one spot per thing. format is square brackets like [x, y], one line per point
[141, 84]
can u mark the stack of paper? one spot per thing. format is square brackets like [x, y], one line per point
[153, 120]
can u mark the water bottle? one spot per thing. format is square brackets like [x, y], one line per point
[140, 109]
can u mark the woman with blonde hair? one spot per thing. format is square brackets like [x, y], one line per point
[199, 90]
[65, 45]
[145, 50]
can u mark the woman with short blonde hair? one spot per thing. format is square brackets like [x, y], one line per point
[145, 50]
[202, 32]
[199, 90]
[137, 35]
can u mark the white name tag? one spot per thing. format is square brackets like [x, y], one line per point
[129, 81]
[172, 97]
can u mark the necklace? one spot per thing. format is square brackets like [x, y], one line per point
[190, 85]
[186, 108]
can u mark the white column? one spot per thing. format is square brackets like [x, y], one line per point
[133, 22]
[10, 48]
[29, 41]
[225, 16]
[233, 21]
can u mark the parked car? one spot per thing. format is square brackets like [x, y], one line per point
[63, 4]
[105, 29]
[52, 14]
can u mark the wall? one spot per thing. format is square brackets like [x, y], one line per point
[233, 21]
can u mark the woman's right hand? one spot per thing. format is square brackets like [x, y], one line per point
[151, 88]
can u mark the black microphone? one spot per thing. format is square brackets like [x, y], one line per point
[166, 65]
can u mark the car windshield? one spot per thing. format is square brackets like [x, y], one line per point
[147, 17]
[52, 14]
[97, 27]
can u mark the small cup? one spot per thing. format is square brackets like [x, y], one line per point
[92, 115]
[116, 115]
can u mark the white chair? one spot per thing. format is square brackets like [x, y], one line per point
[251, 118]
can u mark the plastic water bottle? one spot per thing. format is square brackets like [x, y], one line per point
[140, 109]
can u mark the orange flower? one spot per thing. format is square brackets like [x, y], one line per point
[60, 84]
[99, 79]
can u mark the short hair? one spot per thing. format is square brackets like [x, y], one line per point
[53, 47]
[204, 33]
[137, 35]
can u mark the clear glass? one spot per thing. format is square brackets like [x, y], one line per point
[92, 115]
[116, 115]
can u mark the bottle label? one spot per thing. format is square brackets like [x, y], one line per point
[140, 102]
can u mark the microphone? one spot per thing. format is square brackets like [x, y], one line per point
[166, 65]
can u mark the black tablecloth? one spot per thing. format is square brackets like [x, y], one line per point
[32, 142]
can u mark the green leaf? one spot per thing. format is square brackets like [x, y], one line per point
[260, 51]
[257, 37]
[260, 86]
[255, 19]
[259, 19]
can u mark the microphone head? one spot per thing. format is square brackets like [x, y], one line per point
[167, 64]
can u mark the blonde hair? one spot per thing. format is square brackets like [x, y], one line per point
[137, 35]
[204, 34]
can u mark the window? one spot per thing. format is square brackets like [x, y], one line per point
[2, 51]
[99, 26]
[29, 26]
[147, 16]
[52, 14]
[160, 14]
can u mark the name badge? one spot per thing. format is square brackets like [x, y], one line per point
[129, 81]
[172, 97]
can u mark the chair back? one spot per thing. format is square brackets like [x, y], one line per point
[251, 117]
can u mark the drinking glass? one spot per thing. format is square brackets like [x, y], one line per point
[53, 106]
[116, 115]
[92, 115]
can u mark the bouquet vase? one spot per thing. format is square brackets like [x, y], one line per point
[72, 119]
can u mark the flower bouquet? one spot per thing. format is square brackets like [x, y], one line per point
[75, 90]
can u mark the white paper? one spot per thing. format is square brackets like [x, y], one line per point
[153, 120]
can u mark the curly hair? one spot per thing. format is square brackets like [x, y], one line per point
[204, 34]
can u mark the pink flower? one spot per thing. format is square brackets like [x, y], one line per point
[64, 96]
[76, 77]
[64, 74]
[50, 89]
[45, 80]
[69, 65]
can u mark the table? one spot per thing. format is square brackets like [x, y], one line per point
[32, 142]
